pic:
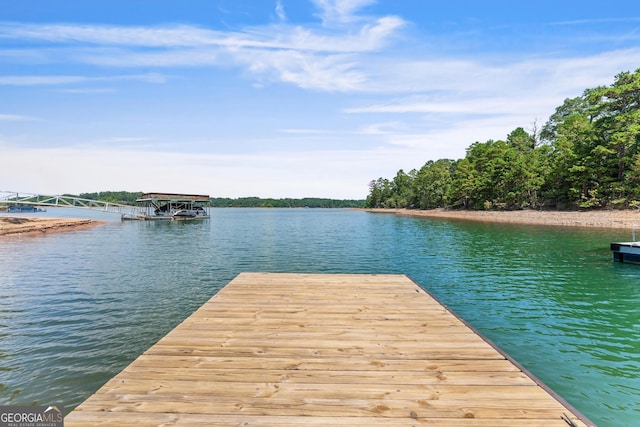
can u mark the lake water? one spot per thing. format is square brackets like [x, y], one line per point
[77, 307]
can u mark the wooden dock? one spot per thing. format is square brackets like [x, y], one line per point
[275, 349]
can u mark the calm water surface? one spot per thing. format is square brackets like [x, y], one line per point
[77, 307]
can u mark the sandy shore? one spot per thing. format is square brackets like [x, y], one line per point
[622, 219]
[20, 225]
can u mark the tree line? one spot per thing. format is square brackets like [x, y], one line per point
[129, 198]
[120, 197]
[586, 156]
[306, 202]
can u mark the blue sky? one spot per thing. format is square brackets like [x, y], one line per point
[283, 98]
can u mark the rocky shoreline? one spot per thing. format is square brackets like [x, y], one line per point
[620, 219]
[10, 225]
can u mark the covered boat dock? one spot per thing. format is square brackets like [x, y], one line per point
[171, 206]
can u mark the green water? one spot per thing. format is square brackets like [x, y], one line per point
[77, 307]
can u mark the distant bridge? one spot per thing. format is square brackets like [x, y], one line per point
[13, 198]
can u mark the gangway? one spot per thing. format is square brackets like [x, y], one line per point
[8, 198]
[151, 206]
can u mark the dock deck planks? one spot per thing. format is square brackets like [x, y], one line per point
[276, 349]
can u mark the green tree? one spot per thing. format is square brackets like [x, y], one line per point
[617, 126]
[595, 139]
[433, 184]
[567, 132]
[490, 161]
[462, 191]
[379, 192]
[570, 107]
[522, 141]
[401, 190]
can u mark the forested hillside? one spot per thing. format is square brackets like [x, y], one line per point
[586, 156]
[307, 202]
[129, 198]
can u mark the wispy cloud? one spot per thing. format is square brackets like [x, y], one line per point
[341, 11]
[309, 57]
[533, 86]
[280, 11]
[112, 35]
[14, 118]
[368, 37]
[192, 57]
[598, 21]
[315, 72]
[88, 91]
[128, 139]
[385, 128]
[40, 80]
[306, 131]
[20, 80]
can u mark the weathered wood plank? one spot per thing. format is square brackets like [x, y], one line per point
[333, 364]
[275, 349]
[450, 353]
[311, 407]
[124, 419]
[216, 389]
[332, 377]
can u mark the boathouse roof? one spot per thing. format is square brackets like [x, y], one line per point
[174, 197]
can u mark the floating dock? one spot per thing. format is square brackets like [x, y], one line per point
[626, 252]
[275, 349]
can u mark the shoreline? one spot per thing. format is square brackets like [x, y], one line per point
[12, 225]
[618, 219]
[613, 219]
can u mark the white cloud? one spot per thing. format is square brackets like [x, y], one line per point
[128, 139]
[385, 128]
[327, 73]
[306, 131]
[476, 106]
[195, 57]
[112, 35]
[40, 80]
[280, 11]
[14, 118]
[88, 91]
[467, 101]
[597, 21]
[340, 11]
[368, 37]
[311, 58]
[503, 75]
[24, 80]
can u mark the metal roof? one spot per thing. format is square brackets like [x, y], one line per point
[175, 197]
